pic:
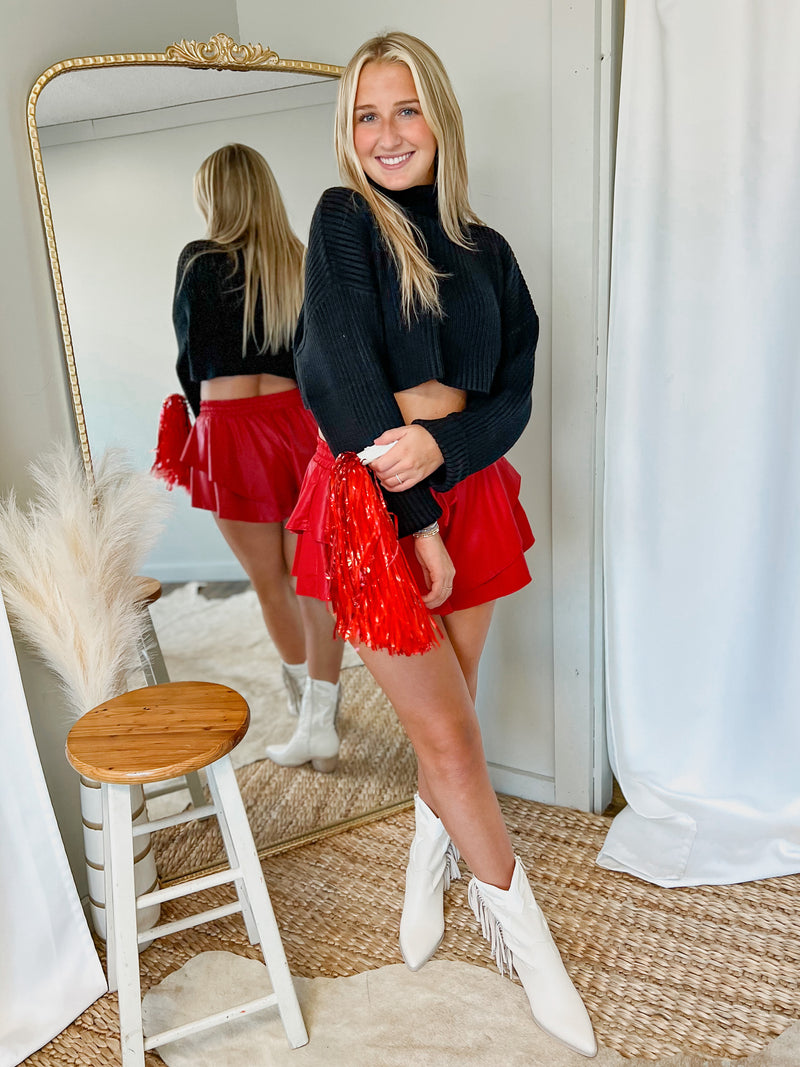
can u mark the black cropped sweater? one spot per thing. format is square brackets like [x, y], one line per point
[353, 351]
[208, 316]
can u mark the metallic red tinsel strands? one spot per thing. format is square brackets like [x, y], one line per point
[373, 592]
[174, 427]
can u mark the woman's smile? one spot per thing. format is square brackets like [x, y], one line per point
[394, 161]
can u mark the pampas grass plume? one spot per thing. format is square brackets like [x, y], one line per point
[68, 568]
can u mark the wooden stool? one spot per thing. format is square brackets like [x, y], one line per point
[155, 672]
[150, 735]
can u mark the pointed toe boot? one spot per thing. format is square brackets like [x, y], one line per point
[520, 940]
[432, 865]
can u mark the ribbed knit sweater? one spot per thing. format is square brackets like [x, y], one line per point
[353, 350]
[208, 316]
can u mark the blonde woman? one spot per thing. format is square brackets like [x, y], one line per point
[237, 297]
[418, 329]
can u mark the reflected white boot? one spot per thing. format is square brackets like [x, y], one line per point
[520, 940]
[294, 676]
[432, 865]
[315, 738]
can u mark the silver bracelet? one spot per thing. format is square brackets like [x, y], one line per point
[427, 531]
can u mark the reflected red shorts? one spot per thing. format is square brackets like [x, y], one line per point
[248, 456]
[483, 525]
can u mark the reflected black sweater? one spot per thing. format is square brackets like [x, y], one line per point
[208, 316]
[353, 351]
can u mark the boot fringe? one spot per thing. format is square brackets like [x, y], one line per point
[452, 872]
[492, 930]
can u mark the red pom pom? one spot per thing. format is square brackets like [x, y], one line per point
[174, 427]
[373, 592]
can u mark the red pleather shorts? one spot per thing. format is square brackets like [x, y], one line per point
[483, 525]
[248, 456]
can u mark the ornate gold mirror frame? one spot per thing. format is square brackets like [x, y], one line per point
[220, 53]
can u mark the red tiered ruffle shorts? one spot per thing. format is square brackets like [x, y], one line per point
[483, 525]
[248, 456]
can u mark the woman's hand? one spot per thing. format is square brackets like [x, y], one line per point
[437, 567]
[413, 458]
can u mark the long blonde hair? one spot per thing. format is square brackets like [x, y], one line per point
[419, 280]
[240, 200]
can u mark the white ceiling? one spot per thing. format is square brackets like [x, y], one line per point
[109, 91]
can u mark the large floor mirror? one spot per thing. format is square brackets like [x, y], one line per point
[116, 141]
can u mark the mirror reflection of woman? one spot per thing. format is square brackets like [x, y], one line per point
[418, 328]
[237, 298]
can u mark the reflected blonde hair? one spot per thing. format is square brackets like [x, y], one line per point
[240, 200]
[419, 280]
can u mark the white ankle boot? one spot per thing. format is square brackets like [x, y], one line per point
[514, 926]
[432, 864]
[315, 738]
[294, 676]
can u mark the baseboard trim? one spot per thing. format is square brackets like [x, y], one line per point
[523, 784]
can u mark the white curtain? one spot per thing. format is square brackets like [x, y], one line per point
[49, 969]
[702, 509]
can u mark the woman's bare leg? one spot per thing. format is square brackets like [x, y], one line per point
[323, 650]
[467, 631]
[433, 702]
[259, 548]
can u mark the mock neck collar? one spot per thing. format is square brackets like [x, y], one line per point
[419, 199]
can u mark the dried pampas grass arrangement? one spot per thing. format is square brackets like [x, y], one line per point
[68, 568]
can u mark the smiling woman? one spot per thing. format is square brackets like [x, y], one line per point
[408, 293]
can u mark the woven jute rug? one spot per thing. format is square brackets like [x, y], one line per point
[710, 972]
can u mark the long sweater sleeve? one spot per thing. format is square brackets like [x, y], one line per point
[491, 423]
[340, 349]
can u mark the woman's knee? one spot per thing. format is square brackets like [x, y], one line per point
[451, 749]
[274, 592]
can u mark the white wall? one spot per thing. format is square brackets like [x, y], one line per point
[123, 209]
[34, 408]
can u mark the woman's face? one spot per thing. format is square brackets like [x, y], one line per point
[392, 139]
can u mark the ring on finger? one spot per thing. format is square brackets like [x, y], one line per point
[399, 479]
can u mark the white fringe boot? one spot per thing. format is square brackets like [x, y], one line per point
[294, 676]
[432, 865]
[315, 738]
[520, 941]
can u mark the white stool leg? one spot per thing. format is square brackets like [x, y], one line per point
[151, 657]
[195, 788]
[225, 792]
[151, 660]
[123, 930]
[233, 858]
[108, 900]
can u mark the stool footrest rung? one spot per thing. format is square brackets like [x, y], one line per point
[186, 889]
[174, 820]
[167, 1036]
[186, 924]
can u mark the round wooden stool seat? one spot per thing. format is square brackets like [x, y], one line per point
[149, 590]
[158, 732]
